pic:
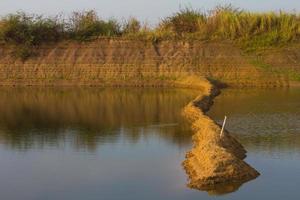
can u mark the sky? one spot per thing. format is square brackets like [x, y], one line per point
[146, 10]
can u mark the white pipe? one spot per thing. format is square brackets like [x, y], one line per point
[223, 126]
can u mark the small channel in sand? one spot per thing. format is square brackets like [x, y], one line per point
[89, 143]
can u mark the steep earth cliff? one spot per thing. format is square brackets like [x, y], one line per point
[143, 63]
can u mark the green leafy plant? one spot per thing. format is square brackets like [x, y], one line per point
[250, 30]
[85, 25]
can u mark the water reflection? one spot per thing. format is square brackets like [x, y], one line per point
[87, 117]
[264, 120]
[88, 143]
[223, 189]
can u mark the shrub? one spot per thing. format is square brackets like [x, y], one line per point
[23, 52]
[23, 29]
[85, 25]
[187, 20]
[131, 26]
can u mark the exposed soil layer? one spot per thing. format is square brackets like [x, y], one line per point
[119, 62]
[215, 164]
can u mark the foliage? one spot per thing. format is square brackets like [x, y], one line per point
[185, 21]
[132, 26]
[85, 25]
[229, 23]
[23, 52]
[23, 29]
[249, 29]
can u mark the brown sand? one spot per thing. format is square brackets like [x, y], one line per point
[215, 163]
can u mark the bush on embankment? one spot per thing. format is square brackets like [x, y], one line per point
[26, 31]
[229, 23]
[250, 30]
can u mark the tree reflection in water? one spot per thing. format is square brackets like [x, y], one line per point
[87, 117]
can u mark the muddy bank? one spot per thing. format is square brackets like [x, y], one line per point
[215, 164]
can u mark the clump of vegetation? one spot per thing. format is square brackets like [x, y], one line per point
[86, 25]
[132, 26]
[23, 29]
[26, 31]
[185, 21]
[249, 29]
[229, 23]
[23, 52]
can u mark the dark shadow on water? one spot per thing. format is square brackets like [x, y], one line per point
[222, 189]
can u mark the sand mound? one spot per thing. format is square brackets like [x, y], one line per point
[215, 163]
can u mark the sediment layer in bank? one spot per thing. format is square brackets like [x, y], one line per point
[119, 62]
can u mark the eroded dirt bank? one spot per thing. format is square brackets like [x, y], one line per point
[215, 164]
[116, 62]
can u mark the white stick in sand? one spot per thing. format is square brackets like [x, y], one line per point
[223, 126]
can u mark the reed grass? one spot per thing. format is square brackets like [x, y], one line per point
[249, 29]
[229, 23]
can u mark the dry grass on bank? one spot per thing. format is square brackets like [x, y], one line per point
[250, 30]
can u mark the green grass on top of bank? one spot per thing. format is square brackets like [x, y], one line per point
[250, 30]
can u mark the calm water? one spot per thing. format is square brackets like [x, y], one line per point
[89, 143]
